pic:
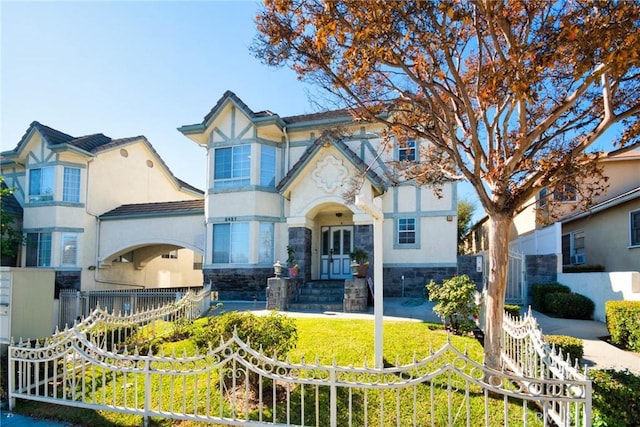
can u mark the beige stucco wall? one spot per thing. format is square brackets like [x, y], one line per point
[32, 303]
[607, 238]
[157, 273]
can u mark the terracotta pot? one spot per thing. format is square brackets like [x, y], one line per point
[293, 271]
[363, 269]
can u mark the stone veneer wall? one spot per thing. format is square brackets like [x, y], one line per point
[541, 268]
[66, 280]
[467, 265]
[239, 284]
[363, 239]
[300, 241]
[415, 279]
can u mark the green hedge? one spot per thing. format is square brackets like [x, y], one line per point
[512, 309]
[623, 323]
[539, 292]
[586, 268]
[569, 345]
[571, 306]
[616, 398]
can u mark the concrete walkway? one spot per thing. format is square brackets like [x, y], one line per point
[598, 354]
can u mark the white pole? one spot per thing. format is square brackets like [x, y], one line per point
[378, 291]
[374, 208]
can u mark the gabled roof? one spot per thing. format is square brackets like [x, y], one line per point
[90, 145]
[607, 204]
[337, 141]
[182, 207]
[56, 139]
[340, 115]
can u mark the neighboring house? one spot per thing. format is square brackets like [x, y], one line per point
[275, 181]
[13, 211]
[607, 234]
[69, 187]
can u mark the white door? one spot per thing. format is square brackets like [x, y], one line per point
[336, 245]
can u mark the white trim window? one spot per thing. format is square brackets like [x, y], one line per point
[573, 248]
[407, 150]
[69, 251]
[38, 250]
[542, 197]
[71, 185]
[634, 228]
[231, 243]
[266, 243]
[41, 184]
[232, 166]
[170, 255]
[268, 166]
[566, 193]
[406, 231]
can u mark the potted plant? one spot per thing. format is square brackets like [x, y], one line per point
[360, 262]
[291, 261]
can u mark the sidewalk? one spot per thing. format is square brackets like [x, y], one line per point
[9, 419]
[598, 354]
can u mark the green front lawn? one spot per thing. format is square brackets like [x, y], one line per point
[350, 342]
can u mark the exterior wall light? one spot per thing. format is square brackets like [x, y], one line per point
[277, 269]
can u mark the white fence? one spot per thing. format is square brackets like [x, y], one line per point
[525, 353]
[75, 305]
[234, 384]
[516, 292]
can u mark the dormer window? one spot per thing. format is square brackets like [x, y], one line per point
[41, 187]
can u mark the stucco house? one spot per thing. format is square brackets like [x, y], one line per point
[71, 189]
[275, 181]
[607, 234]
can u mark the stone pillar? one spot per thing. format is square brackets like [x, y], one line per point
[300, 241]
[277, 295]
[356, 293]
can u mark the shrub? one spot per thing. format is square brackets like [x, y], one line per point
[571, 306]
[569, 345]
[623, 323]
[539, 291]
[455, 303]
[512, 309]
[586, 268]
[274, 333]
[616, 398]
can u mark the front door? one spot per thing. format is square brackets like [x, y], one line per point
[337, 244]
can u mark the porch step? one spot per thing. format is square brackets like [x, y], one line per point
[319, 295]
[297, 306]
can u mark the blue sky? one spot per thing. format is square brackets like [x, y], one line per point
[136, 68]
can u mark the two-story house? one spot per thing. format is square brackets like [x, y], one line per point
[72, 189]
[607, 234]
[275, 181]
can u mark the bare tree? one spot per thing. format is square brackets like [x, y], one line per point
[510, 94]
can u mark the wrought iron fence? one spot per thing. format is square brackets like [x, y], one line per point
[78, 304]
[233, 384]
[525, 353]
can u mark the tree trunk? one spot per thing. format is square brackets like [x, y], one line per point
[499, 228]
